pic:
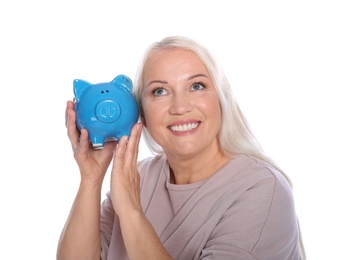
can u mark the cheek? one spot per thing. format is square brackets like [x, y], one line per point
[152, 114]
[213, 114]
[211, 108]
[217, 116]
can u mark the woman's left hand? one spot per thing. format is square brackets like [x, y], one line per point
[125, 180]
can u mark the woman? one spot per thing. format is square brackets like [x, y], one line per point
[209, 193]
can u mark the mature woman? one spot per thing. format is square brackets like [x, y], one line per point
[210, 192]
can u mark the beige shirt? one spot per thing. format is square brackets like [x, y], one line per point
[244, 211]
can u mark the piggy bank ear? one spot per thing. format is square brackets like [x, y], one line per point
[124, 82]
[79, 86]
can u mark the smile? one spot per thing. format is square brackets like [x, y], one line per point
[184, 128]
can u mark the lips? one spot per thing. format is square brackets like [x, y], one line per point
[184, 127]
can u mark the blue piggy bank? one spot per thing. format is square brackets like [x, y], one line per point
[106, 110]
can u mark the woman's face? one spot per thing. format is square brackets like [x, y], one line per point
[181, 106]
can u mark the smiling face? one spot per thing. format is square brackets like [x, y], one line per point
[181, 108]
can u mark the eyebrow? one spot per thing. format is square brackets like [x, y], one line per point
[157, 81]
[166, 82]
[196, 76]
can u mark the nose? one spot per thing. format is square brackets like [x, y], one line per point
[180, 104]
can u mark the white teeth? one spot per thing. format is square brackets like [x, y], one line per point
[185, 127]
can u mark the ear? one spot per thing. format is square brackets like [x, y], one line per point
[79, 86]
[123, 81]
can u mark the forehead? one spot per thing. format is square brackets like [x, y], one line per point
[174, 58]
[170, 52]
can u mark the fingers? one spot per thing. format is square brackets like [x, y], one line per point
[127, 151]
[84, 141]
[69, 107]
[133, 142]
[72, 131]
[120, 151]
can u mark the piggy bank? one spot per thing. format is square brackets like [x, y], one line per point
[106, 110]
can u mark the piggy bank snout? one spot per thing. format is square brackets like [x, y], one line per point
[108, 111]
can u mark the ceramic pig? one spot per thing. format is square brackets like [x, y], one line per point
[106, 110]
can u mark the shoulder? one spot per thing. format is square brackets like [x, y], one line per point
[269, 183]
[261, 214]
[249, 172]
[260, 195]
[152, 168]
[152, 164]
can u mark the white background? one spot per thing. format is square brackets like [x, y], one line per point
[293, 66]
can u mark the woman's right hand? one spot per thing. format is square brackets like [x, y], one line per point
[93, 163]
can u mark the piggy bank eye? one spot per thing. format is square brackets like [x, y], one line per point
[102, 92]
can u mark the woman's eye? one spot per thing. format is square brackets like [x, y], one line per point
[159, 92]
[197, 86]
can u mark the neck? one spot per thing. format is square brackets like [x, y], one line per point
[195, 168]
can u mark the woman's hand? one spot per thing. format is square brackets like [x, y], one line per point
[125, 188]
[139, 236]
[92, 163]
